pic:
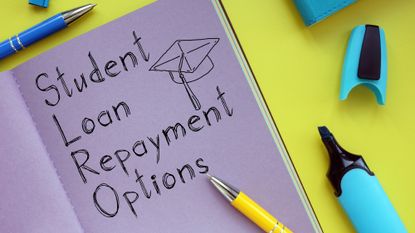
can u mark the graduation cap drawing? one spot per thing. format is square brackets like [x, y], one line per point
[187, 61]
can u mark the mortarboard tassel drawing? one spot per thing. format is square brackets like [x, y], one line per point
[187, 61]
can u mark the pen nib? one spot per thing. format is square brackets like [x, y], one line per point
[227, 190]
[74, 14]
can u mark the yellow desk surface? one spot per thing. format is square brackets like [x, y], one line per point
[298, 70]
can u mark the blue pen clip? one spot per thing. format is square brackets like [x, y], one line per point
[365, 62]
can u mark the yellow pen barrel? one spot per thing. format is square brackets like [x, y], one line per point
[258, 215]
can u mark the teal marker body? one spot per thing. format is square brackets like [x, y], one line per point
[359, 191]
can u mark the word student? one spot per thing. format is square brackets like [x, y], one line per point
[112, 68]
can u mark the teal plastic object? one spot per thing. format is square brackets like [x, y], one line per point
[350, 78]
[313, 11]
[41, 3]
[367, 205]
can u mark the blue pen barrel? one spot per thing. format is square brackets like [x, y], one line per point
[39, 31]
[367, 205]
[28, 37]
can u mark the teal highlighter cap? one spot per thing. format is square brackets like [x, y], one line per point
[365, 63]
[358, 190]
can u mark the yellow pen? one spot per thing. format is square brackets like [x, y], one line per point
[248, 207]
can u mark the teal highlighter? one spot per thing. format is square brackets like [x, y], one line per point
[359, 191]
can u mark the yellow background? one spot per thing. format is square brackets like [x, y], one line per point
[298, 70]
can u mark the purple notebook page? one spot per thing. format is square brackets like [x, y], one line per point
[184, 60]
[32, 198]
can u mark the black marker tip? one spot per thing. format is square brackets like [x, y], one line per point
[341, 161]
[324, 132]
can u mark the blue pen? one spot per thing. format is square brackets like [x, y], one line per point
[56, 23]
[359, 191]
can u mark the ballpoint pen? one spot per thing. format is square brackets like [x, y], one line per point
[42, 30]
[248, 207]
[359, 191]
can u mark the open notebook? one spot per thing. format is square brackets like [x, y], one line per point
[115, 131]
